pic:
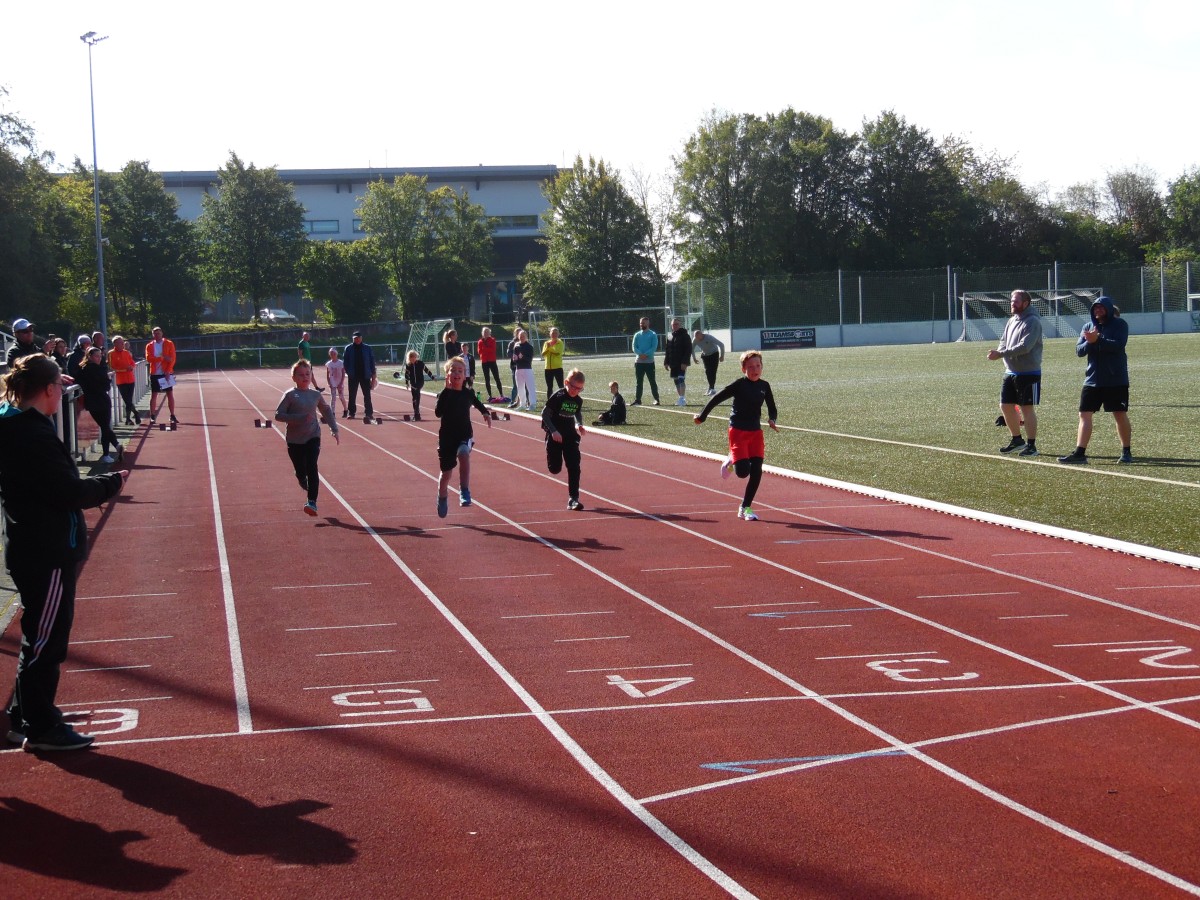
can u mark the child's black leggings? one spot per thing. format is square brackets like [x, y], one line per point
[751, 469]
[304, 461]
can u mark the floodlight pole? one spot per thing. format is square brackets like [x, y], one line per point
[91, 39]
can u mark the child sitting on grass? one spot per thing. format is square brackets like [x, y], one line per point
[615, 414]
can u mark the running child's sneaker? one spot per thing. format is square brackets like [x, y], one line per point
[443, 507]
[310, 508]
[464, 497]
[726, 468]
[574, 505]
[747, 513]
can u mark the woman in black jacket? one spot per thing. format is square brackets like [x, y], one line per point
[47, 540]
[93, 378]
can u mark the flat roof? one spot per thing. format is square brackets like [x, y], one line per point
[342, 176]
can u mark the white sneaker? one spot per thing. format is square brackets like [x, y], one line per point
[726, 468]
[682, 401]
[711, 392]
[107, 459]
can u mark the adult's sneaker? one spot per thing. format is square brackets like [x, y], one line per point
[1028, 450]
[108, 459]
[682, 401]
[1015, 444]
[711, 392]
[636, 403]
[310, 508]
[574, 505]
[174, 421]
[443, 507]
[16, 735]
[1126, 457]
[1076, 457]
[747, 513]
[656, 403]
[61, 737]
[464, 497]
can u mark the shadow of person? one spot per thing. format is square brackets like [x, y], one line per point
[220, 818]
[48, 843]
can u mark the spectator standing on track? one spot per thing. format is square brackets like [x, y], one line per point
[455, 435]
[304, 352]
[47, 540]
[712, 354]
[512, 365]
[562, 420]
[301, 410]
[335, 377]
[415, 371]
[25, 344]
[78, 352]
[360, 372]
[160, 360]
[93, 379]
[521, 356]
[1021, 349]
[615, 414]
[645, 344]
[1106, 379]
[552, 355]
[677, 357]
[746, 447]
[485, 349]
[120, 362]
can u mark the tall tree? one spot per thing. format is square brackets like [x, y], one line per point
[1132, 203]
[344, 276]
[656, 197]
[597, 243]
[252, 233]
[1183, 211]
[431, 245]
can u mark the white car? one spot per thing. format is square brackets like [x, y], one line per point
[276, 317]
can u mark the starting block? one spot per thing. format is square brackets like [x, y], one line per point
[407, 417]
[498, 416]
[162, 426]
[378, 420]
[174, 426]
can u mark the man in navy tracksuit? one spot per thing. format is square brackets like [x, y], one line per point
[1106, 380]
[360, 371]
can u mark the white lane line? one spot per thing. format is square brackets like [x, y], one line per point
[981, 594]
[342, 627]
[237, 662]
[1039, 616]
[342, 687]
[313, 587]
[106, 669]
[599, 612]
[761, 605]
[1118, 643]
[1157, 587]
[494, 577]
[356, 653]
[128, 596]
[882, 655]
[1038, 553]
[633, 668]
[810, 627]
[119, 700]
[842, 562]
[157, 637]
[829, 540]
[615, 637]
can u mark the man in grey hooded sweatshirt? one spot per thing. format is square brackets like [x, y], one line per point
[1021, 349]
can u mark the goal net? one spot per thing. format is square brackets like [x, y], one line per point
[426, 339]
[1063, 312]
[596, 332]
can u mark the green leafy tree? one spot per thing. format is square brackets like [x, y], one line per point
[597, 242]
[1183, 211]
[252, 233]
[431, 245]
[344, 276]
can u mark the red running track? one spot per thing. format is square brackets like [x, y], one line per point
[852, 697]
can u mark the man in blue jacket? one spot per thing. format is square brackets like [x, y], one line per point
[1106, 380]
[360, 373]
[645, 343]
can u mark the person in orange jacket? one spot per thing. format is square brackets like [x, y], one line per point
[120, 361]
[160, 359]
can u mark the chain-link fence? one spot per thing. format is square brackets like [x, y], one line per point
[923, 295]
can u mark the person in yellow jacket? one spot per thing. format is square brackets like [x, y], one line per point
[552, 354]
[160, 361]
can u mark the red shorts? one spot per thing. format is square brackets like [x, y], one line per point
[746, 444]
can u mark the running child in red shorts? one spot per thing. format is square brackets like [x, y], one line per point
[746, 446]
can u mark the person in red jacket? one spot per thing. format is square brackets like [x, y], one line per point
[160, 359]
[486, 351]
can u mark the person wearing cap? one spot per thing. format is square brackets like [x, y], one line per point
[1106, 379]
[160, 360]
[25, 345]
[360, 374]
[78, 352]
[1021, 349]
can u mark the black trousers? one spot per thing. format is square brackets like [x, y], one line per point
[365, 384]
[304, 461]
[48, 599]
[711, 361]
[568, 452]
[490, 369]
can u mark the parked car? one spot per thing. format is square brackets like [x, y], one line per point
[275, 317]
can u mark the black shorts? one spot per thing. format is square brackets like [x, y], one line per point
[448, 453]
[1022, 389]
[1114, 398]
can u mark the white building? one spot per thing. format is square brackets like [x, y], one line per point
[510, 195]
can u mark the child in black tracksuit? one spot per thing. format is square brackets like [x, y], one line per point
[455, 436]
[615, 414]
[414, 376]
[562, 420]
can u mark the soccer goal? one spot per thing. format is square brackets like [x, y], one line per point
[426, 339]
[1063, 312]
[596, 332]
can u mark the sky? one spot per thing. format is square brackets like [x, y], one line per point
[1068, 91]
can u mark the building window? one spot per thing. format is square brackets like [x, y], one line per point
[501, 222]
[322, 226]
[357, 227]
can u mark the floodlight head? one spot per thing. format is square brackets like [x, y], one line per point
[90, 38]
